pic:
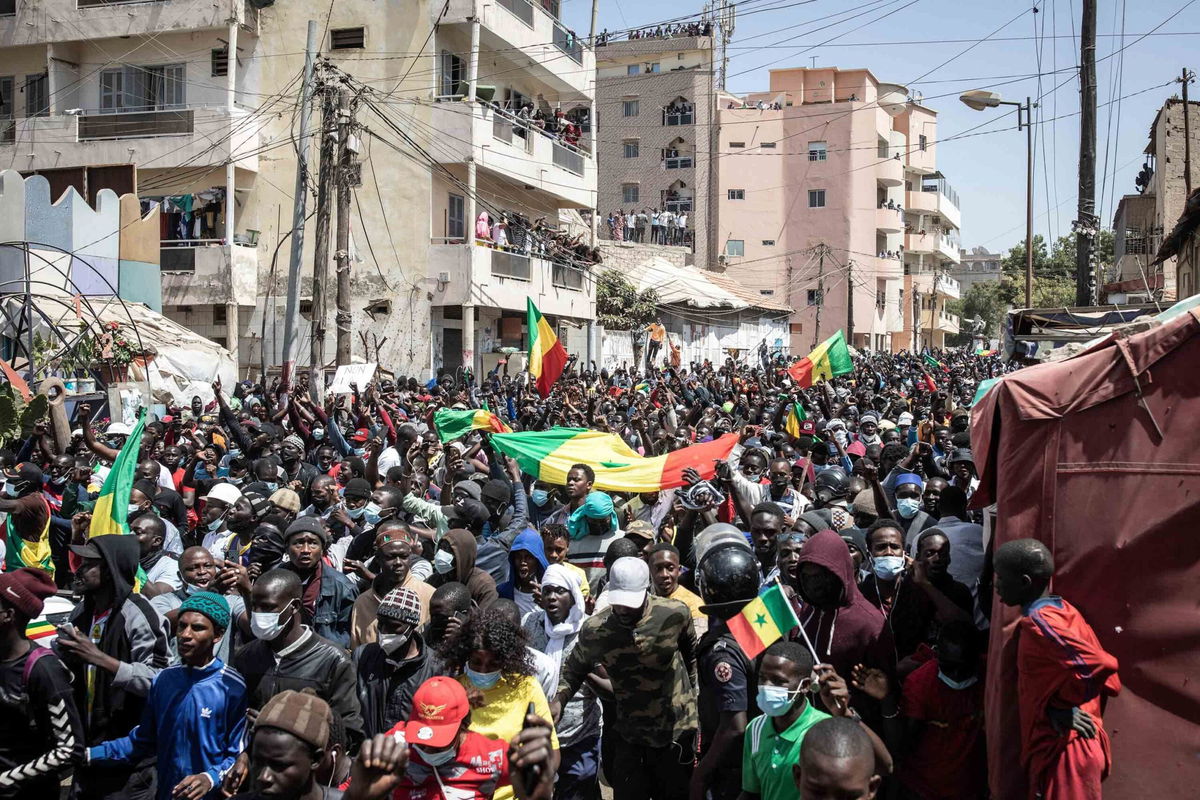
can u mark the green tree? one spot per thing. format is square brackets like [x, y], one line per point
[1053, 270]
[620, 306]
[983, 300]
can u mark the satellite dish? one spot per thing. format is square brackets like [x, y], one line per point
[893, 98]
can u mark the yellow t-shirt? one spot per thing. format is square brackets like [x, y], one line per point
[691, 600]
[503, 713]
[582, 577]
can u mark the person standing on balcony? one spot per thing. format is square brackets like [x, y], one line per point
[668, 226]
[655, 226]
[681, 227]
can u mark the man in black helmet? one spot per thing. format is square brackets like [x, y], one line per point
[832, 487]
[728, 579]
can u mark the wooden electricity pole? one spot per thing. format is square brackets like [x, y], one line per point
[1086, 222]
[347, 179]
[320, 292]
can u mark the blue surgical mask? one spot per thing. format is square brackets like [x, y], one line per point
[271, 486]
[358, 451]
[908, 506]
[11, 490]
[887, 568]
[356, 513]
[371, 513]
[539, 497]
[966, 683]
[774, 701]
[318, 433]
[483, 680]
[438, 757]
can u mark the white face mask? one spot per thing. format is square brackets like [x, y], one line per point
[215, 525]
[267, 625]
[908, 506]
[953, 684]
[438, 757]
[443, 562]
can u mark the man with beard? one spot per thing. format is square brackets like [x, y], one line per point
[198, 572]
[394, 547]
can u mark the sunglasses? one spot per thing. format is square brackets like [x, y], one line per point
[790, 536]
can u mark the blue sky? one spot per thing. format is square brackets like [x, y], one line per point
[935, 41]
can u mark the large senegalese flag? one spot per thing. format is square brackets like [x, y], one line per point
[831, 358]
[112, 506]
[547, 358]
[796, 414]
[549, 455]
[763, 621]
[453, 423]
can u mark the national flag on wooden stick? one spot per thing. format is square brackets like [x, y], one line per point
[547, 357]
[763, 621]
[829, 359]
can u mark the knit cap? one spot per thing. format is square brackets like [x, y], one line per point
[26, 590]
[301, 714]
[211, 605]
[403, 605]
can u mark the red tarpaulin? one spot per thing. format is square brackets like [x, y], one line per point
[1074, 459]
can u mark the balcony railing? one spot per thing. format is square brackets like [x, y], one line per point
[502, 129]
[678, 206]
[510, 265]
[568, 158]
[678, 118]
[568, 42]
[678, 162]
[136, 125]
[566, 277]
[521, 9]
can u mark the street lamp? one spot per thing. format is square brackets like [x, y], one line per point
[980, 99]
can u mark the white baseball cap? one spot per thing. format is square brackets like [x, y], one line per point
[227, 493]
[628, 581]
[905, 418]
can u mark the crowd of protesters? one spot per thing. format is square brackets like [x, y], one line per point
[319, 598]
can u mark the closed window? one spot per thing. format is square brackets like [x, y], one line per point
[655, 67]
[347, 38]
[630, 148]
[814, 297]
[629, 108]
[767, 145]
[632, 69]
[452, 73]
[735, 247]
[456, 217]
[630, 193]
[737, 194]
[37, 95]
[817, 151]
[768, 242]
[737, 144]
[922, 142]
[6, 97]
[816, 198]
[134, 88]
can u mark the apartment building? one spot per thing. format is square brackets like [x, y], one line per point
[656, 133]
[815, 181]
[193, 108]
[977, 265]
[500, 66]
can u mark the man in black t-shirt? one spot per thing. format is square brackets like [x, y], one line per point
[42, 734]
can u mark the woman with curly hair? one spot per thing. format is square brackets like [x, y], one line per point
[491, 661]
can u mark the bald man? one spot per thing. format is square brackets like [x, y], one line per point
[1062, 674]
[837, 760]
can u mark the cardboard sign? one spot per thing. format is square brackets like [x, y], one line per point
[347, 374]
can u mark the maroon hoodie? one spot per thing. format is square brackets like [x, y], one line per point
[853, 633]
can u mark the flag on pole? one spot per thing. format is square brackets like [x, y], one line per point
[831, 358]
[929, 384]
[795, 416]
[763, 621]
[453, 423]
[112, 506]
[547, 358]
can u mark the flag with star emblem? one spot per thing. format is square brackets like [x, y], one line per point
[763, 621]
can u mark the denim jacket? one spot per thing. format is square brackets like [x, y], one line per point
[331, 618]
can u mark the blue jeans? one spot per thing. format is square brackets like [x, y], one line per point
[578, 770]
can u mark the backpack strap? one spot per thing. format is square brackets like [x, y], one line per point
[36, 654]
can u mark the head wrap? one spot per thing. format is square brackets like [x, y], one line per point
[395, 533]
[557, 635]
[597, 505]
[700, 495]
[211, 605]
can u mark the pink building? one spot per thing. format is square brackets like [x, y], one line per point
[815, 180]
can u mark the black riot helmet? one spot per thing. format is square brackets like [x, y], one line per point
[831, 484]
[728, 579]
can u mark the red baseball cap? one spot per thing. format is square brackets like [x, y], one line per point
[361, 435]
[438, 709]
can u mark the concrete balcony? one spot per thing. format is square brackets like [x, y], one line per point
[948, 287]
[921, 243]
[921, 202]
[499, 279]
[890, 172]
[150, 139]
[496, 143]
[942, 321]
[558, 56]
[889, 220]
[207, 272]
[72, 20]
[949, 249]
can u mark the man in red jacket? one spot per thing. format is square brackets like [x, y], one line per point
[1062, 674]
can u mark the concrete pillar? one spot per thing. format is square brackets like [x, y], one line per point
[468, 336]
[473, 63]
[231, 333]
[230, 101]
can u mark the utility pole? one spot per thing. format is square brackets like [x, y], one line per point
[291, 327]
[1185, 79]
[346, 180]
[320, 295]
[850, 301]
[1086, 221]
[820, 295]
[592, 38]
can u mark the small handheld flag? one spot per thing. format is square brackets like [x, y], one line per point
[763, 621]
